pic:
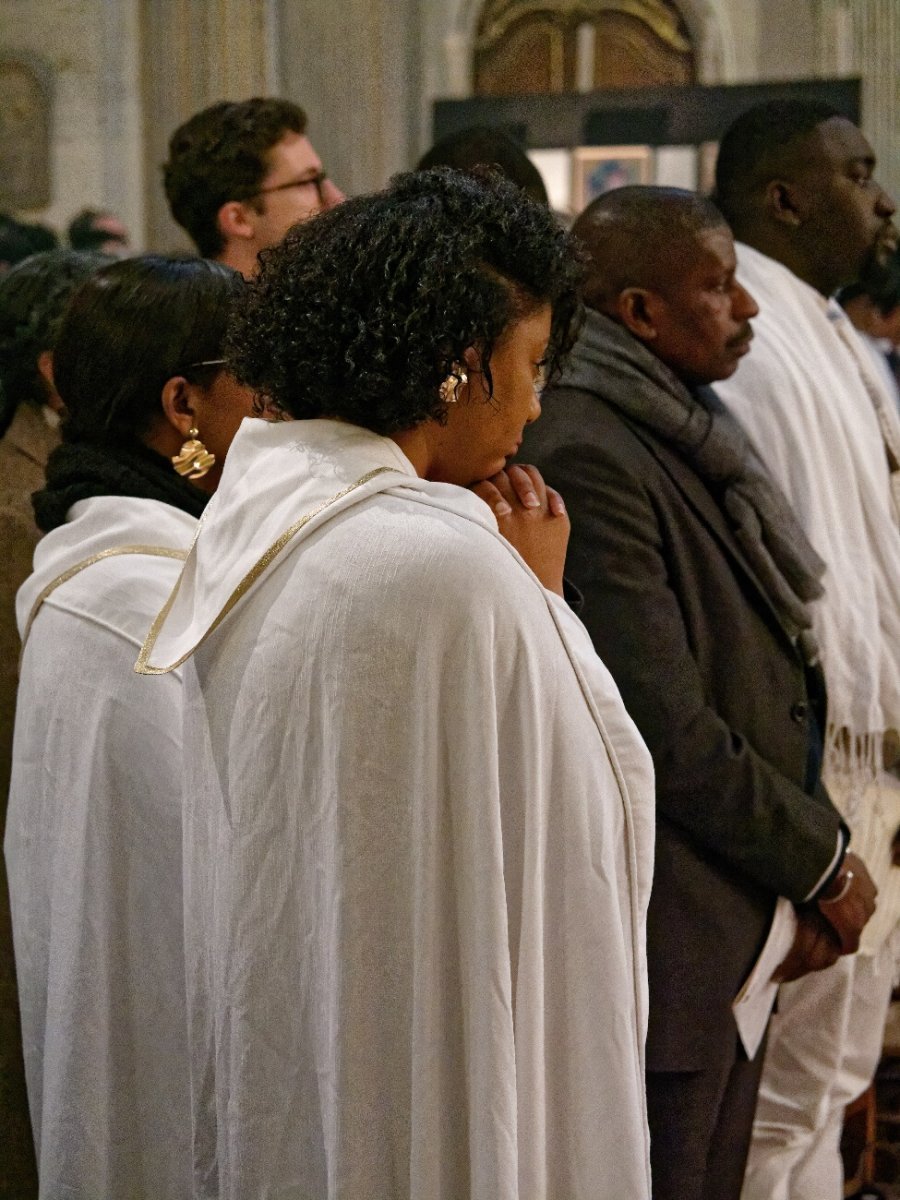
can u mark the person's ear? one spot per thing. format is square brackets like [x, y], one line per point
[178, 405]
[637, 310]
[45, 370]
[234, 220]
[784, 202]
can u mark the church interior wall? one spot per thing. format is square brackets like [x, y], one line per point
[125, 72]
[88, 52]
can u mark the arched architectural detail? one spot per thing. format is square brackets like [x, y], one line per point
[454, 28]
[570, 45]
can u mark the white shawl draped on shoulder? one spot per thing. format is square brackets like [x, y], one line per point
[93, 851]
[418, 846]
[808, 402]
[828, 431]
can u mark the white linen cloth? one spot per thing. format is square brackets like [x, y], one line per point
[820, 420]
[93, 853]
[418, 849]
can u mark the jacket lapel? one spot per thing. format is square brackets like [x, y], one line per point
[705, 507]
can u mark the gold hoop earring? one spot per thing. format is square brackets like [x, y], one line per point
[449, 391]
[194, 460]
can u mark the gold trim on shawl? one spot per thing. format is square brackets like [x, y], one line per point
[113, 552]
[142, 666]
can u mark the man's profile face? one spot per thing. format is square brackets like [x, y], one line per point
[849, 227]
[291, 190]
[701, 313]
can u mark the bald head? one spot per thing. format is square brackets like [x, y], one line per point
[640, 237]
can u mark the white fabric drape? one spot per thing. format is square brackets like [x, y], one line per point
[418, 846]
[93, 852]
[821, 421]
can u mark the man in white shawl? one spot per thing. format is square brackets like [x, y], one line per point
[796, 182]
[419, 842]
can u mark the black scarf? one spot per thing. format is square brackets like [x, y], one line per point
[608, 361]
[79, 470]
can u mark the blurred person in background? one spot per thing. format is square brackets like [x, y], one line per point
[96, 229]
[484, 146]
[93, 836]
[873, 305]
[239, 175]
[19, 240]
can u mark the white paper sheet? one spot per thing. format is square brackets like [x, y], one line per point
[752, 1005]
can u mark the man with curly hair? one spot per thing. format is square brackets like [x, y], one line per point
[241, 174]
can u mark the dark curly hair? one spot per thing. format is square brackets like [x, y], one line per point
[363, 311]
[33, 299]
[220, 155]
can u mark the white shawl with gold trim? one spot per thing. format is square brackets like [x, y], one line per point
[93, 852]
[418, 846]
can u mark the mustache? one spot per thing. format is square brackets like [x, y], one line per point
[745, 335]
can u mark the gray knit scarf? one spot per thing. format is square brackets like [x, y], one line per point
[608, 361]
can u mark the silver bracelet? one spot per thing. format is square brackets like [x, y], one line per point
[848, 880]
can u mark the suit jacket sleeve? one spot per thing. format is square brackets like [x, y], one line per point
[710, 781]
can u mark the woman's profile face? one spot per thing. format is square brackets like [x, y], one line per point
[483, 431]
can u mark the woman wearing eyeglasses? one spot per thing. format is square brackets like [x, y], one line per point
[418, 845]
[93, 841]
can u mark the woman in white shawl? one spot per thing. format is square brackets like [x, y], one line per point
[93, 841]
[419, 840]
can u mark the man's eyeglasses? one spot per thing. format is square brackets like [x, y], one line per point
[314, 181]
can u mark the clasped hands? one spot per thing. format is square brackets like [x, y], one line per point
[532, 517]
[831, 925]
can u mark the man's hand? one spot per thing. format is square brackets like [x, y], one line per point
[532, 517]
[815, 947]
[849, 902]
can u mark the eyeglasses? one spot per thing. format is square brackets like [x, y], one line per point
[316, 181]
[207, 362]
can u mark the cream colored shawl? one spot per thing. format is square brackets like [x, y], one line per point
[823, 425]
[418, 846]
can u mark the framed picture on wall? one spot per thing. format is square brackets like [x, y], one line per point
[599, 169]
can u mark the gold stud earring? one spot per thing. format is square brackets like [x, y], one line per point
[193, 460]
[449, 391]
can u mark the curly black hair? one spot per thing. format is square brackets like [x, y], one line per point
[220, 155]
[362, 312]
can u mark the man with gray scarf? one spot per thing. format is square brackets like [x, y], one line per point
[697, 580]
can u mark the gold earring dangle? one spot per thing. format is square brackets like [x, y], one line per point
[449, 390]
[194, 460]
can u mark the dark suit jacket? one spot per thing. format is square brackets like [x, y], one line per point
[719, 694]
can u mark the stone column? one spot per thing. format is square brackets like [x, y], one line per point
[193, 53]
[862, 37]
[354, 66]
